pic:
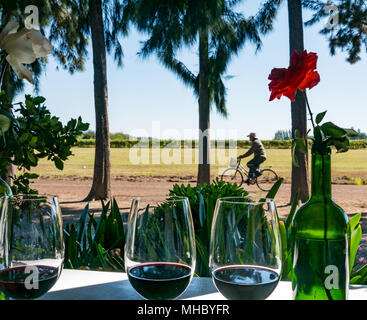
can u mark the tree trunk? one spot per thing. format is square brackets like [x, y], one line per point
[11, 174]
[204, 110]
[101, 187]
[300, 182]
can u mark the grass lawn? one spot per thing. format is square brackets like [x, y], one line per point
[352, 164]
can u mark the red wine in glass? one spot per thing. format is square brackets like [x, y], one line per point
[245, 282]
[160, 281]
[32, 247]
[245, 252]
[14, 283]
[160, 247]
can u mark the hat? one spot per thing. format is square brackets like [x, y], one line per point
[252, 134]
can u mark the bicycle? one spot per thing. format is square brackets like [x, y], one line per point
[236, 172]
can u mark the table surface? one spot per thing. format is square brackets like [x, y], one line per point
[100, 285]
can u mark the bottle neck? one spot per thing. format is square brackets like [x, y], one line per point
[321, 175]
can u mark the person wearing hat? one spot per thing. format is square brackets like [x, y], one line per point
[258, 150]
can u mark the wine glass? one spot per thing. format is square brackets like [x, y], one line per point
[245, 248]
[31, 245]
[160, 247]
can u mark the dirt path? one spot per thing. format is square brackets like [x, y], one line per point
[71, 191]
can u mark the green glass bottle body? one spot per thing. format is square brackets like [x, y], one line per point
[321, 240]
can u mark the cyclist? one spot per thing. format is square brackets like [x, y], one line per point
[258, 150]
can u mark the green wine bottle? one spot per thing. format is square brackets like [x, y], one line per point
[5, 189]
[321, 240]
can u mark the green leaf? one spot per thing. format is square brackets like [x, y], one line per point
[300, 145]
[295, 160]
[39, 100]
[317, 133]
[356, 280]
[32, 158]
[320, 117]
[72, 246]
[341, 144]
[29, 101]
[81, 224]
[293, 210]
[351, 133]
[102, 253]
[24, 137]
[297, 133]
[353, 221]
[33, 141]
[204, 256]
[354, 243]
[359, 276]
[332, 130]
[274, 189]
[4, 123]
[59, 163]
[283, 237]
[31, 175]
[115, 211]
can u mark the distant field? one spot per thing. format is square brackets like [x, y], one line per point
[352, 164]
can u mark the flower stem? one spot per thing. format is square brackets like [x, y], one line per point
[309, 109]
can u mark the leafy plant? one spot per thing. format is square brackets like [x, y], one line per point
[34, 134]
[96, 244]
[357, 276]
[285, 235]
[325, 136]
[202, 200]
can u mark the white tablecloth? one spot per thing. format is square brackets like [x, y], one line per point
[100, 285]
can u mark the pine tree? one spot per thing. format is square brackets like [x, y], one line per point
[215, 30]
[266, 17]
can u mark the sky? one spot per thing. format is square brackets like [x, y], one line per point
[145, 99]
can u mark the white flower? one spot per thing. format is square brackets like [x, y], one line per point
[23, 47]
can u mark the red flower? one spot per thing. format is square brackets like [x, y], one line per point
[301, 74]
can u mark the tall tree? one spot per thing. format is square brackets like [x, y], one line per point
[101, 187]
[300, 182]
[346, 28]
[265, 19]
[71, 23]
[102, 21]
[218, 32]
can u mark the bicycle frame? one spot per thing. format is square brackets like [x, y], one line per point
[244, 172]
[240, 167]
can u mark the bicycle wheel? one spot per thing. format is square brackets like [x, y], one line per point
[232, 175]
[266, 180]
